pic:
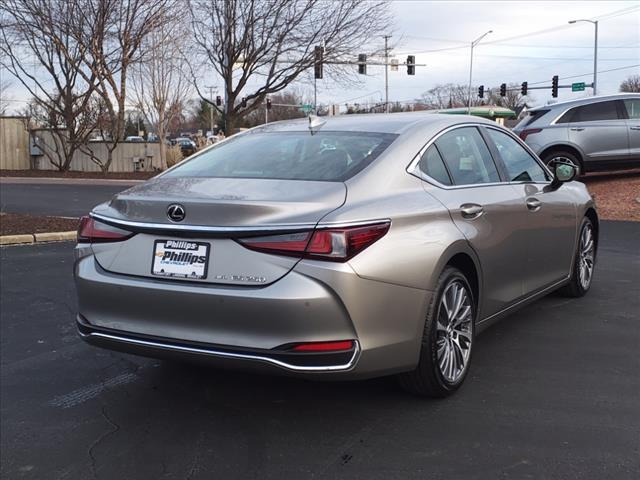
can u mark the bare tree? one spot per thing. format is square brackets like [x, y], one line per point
[512, 100]
[159, 84]
[631, 84]
[113, 39]
[39, 51]
[5, 85]
[260, 47]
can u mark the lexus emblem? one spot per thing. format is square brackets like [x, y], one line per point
[175, 212]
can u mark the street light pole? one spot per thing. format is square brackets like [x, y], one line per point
[473, 44]
[595, 52]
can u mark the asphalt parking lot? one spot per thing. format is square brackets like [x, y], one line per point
[65, 199]
[554, 393]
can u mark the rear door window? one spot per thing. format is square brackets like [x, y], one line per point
[467, 157]
[595, 112]
[432, 165]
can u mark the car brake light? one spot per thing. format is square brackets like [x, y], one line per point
[93, 231]
[334, 244]
[529, 131]
[324, 346]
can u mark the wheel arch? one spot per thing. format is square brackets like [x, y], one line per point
[461, 256]
[595, 221]
[564, 147]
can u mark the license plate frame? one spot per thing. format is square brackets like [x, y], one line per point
[161, 246]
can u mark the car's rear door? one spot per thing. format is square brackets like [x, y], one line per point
[549, 214]
[462, 175]
[600, 130]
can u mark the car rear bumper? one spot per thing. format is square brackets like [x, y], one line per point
[251, 327]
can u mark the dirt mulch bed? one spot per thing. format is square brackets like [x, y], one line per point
[617, 194]
[55, 174]
[15, 224]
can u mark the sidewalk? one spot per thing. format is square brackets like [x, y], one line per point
[68, 181]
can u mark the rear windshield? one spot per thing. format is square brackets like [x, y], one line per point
[328, 156]
[531, 117]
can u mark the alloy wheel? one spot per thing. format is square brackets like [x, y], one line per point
[586, 253]
[454, 331]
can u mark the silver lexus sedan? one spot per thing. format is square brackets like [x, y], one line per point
[340, 247]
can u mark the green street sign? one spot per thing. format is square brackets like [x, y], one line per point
[306, 108]
[577, 87]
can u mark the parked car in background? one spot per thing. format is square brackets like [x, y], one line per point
[134, 138]
[596, 133]
[361, 246]
[187, 146]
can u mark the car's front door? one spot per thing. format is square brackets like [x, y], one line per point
[463, 176]
[600, 130]
[549, 214]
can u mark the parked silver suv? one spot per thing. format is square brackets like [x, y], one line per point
[596, 133]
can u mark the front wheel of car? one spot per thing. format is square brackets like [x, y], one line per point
[447, 339]
[583, 262]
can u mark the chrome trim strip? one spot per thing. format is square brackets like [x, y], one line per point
[216, 353]
[201, 228]
[526, 299]
[289, 227]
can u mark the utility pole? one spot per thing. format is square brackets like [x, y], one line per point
[595, 53]
[211, 100]
[386, 72]
[473, 44]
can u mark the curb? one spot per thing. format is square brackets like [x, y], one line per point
[37, 238]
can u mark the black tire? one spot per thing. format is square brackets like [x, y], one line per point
[576, 286]
[428, 379]
[563, 155]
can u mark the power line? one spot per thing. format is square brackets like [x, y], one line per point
[626, 67]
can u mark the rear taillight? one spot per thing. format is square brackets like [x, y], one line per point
[529, 131]
[335, 244]
[93, 231]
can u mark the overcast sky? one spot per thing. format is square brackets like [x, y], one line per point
[531, 41]
[563, 49]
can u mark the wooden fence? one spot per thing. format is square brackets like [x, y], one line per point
[14, 144]
[21, 149]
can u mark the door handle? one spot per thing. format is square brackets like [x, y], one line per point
[471, 210]
[577, 129]
[533, 204]
[635, 128]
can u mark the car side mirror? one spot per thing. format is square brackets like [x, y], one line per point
[563, 172]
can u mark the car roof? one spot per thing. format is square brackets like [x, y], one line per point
[585, 101]
[396, 123]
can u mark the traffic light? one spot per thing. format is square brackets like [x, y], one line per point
[362, 64]
[411, 65]
[503, 90]
[268, 104]
[554, 86]
[244, 102]
[319, 58]
[524, 89]
[481, 91]
[218, 100]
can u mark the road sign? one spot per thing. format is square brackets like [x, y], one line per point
[577, 87]
[306, 108]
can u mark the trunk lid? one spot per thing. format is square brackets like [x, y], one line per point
[226, 205]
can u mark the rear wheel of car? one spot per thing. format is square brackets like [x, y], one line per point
[563, 156]
[447, 339]
[583, 263]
